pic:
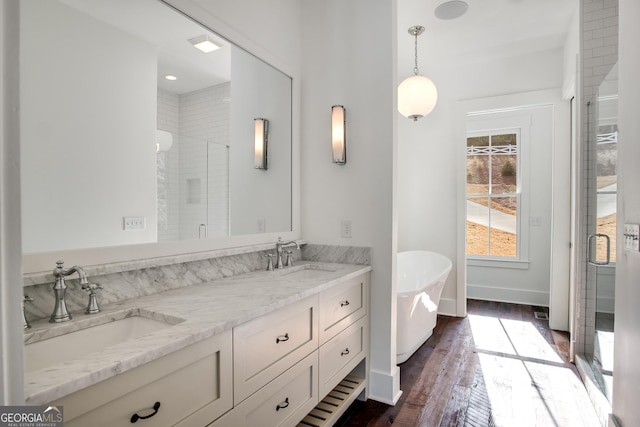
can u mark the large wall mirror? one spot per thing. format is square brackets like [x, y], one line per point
[130, 134]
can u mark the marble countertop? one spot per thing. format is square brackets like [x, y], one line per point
[195, 313]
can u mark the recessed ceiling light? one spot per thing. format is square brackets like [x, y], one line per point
[204, 43]
[451, 9]
[170, 77]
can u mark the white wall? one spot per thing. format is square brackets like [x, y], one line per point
[11, 341]
[427, 181]
[571, 51]
[76, 100]
[626, 385]
[348, 59]
[168, 168]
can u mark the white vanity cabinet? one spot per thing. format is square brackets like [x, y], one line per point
[266, 347]
[192, 386]
[302, 364]
[309, 375]
[344, 350]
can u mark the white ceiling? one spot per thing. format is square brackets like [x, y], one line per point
[168, 31]
[489, 29]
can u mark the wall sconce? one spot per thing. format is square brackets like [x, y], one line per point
[261, 127]
[338, 134]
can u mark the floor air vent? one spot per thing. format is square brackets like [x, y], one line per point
[334, 404]
[541, 315]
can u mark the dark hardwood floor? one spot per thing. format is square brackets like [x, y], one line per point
[499, 366]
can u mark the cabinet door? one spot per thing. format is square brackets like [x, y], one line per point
[342, 305]
[267, 346]
[283, 402]
[192, 386]
[341, 354]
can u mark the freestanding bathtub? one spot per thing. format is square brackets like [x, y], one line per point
[421, 276]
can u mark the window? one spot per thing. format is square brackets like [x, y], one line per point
[493, 194]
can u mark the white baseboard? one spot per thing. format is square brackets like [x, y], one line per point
[385, 386]
[515, 296]
[447, 306]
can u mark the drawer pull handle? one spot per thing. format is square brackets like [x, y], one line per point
[345, 352]
[344, 303]
[283, 404]
[282, 338]
[136, 417]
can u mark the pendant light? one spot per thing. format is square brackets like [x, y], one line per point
[417, 95]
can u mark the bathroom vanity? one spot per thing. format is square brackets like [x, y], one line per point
[262, 348]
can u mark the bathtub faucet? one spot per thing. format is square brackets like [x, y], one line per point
[279, 245]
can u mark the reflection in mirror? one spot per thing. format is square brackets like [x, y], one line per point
[603, 124]
[131, 135]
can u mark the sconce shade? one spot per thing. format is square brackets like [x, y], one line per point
[261, 129]
[338, 135]
[164, 140]
[417, 96]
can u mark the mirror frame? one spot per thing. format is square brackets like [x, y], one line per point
[45, 261]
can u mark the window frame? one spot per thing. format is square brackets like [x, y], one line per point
[481, 125]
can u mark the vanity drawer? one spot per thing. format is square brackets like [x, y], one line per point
[340, 355]
[265, 347]
[283, 402]
[193, 386]
[341, 305]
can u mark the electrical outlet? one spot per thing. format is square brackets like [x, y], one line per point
[346, 228]
[134, 223]
[535, 221]
[261, 224]
[631, 236]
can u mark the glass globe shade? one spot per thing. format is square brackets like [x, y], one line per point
[417, 95]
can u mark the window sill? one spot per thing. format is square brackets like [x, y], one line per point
[498, 263]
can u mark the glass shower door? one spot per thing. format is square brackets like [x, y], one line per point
[602, 243]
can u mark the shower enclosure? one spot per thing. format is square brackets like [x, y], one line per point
[193, 189]
[601, 225]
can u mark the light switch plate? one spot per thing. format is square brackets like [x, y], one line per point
[346, 228]
[134, 223]
[535, 221]
[631, 236]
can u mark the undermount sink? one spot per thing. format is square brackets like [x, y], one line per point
[309, 272]
[92, 338]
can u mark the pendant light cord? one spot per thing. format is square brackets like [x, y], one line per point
[415, 69]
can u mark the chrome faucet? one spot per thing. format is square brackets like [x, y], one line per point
[279, 245]
[60, 312]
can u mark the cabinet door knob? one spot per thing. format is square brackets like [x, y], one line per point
[282, 338]
[283, 404]
[345, 352]
[344, 303]
[136, 417]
